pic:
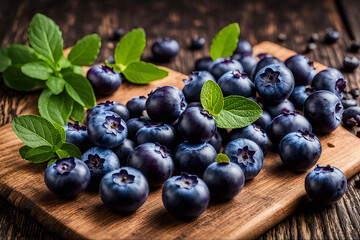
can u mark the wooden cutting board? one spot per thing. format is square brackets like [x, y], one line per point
[273, 195]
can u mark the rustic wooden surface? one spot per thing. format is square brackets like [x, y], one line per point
[273, 195]
[259, 21]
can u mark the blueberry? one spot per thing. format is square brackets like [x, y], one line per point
[247, 155]
[134, 124]
[154, 161]
[332, 36]
[310, 47]
[286, 123]
[314, 37]
[224, 180]
[266, 60]
[221, 66]
[355, 46]
[216, 141]
[161, 133]
[166, 104]
[185, 196]
[197, 125]
[355, 92]
[300, 150]
[104, 79]
[302, 69]
[332, 80]
[165, 49]
[107, 129]
[325, 185]
[254, 133]
[111, 60]
[351, 117]
[100, 161]
[124, 189]
[136, 106]
[274, 83]
[123, 151]
[197, 42]
[236, 83]
[299, 95]
[348, 101]
[243, 46]
[194, 158]
[194, 84]
[194, 104]
[112, 106]
[278, 108]
[118, 34]
[203, 64]
[350, 63]
[77, 135]
[324, 111]
[67, 177]
[249, 63]
[264, 120]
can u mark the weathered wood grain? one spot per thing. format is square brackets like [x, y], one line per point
[274, 194]
[259, 21]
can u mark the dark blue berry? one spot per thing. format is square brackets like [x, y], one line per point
[302, 69]
[348, 101]
[77, 135]
[161, 133]
[350, 63]
[243, 46]
[123, 151]
[351, 117]
[278, 108]
[249, 63]
[331, 80]
[194, 84]
[203, 64]
[332, 36]
[165, 49]
[197, 42]
[265, 60]
[299, 95]
[222, 66]
[134, 124]
[104, 79]
[264, 120]
[236, 83]
[136, 106]
[112, 106]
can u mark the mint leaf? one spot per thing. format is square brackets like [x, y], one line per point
[45, 38]
[61, 132]
[131, 47]
[80, 89]
[5, 61]
[15, 79]
[64, 63]
[37, 70]
[72, 69]
[55, 84]
[36, 155]
[225, 42]
[238, 112]
[212, 98]
[78, 113]
[55, 108]
[52, 161]
[62, 153]
[85, 51]
[222, 158]
[35, 131]
[21, 54]
[142, 73]
[71, 150]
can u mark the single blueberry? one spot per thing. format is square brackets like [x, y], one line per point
[165, 49]
[348, 101]
[203, 64]
[243, 46]
[302, 69]
[278, 108]
[332, 35]
[355, 46]
[161, 133]
[221, 66]
[77, 135]
[299, 95]
[351, 117]
[123, 151]
[324, 111]
[136, 106]
[332, 80]
[194, 84]
[197, 42]
[265, 60]
[104, 79]
[264, 120]
[134, 124]
[249, 63]
[112, 106]
[236, 83]
[350, 63]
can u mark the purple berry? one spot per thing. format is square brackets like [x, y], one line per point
[104, 79]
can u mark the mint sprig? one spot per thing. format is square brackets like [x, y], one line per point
[235, 111]
[225, 42]
[66, 92]
[44, 140]
[127, 59]
[221, 157]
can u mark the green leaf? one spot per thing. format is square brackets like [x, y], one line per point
[78, 113]
[62, 153]
[72, 69]
[222, 158]
[21, 54]
[15, 79]
[37, 70]
[5, 61]
[212, 98]
[85, 51]
[55, 84]
[71, 149]
[35, 131]
[45, 37]
[142, 73]
[64, 63]
[238, 112]
[55, 108]
[52, 161]
[36, 155]
[225, 42]
[131, 47]
[80, 89]
[61, 131]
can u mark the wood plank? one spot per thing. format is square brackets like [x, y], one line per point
[274, 194]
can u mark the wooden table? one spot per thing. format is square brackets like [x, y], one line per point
[259, 21]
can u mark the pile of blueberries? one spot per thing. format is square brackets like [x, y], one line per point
[167, 139]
